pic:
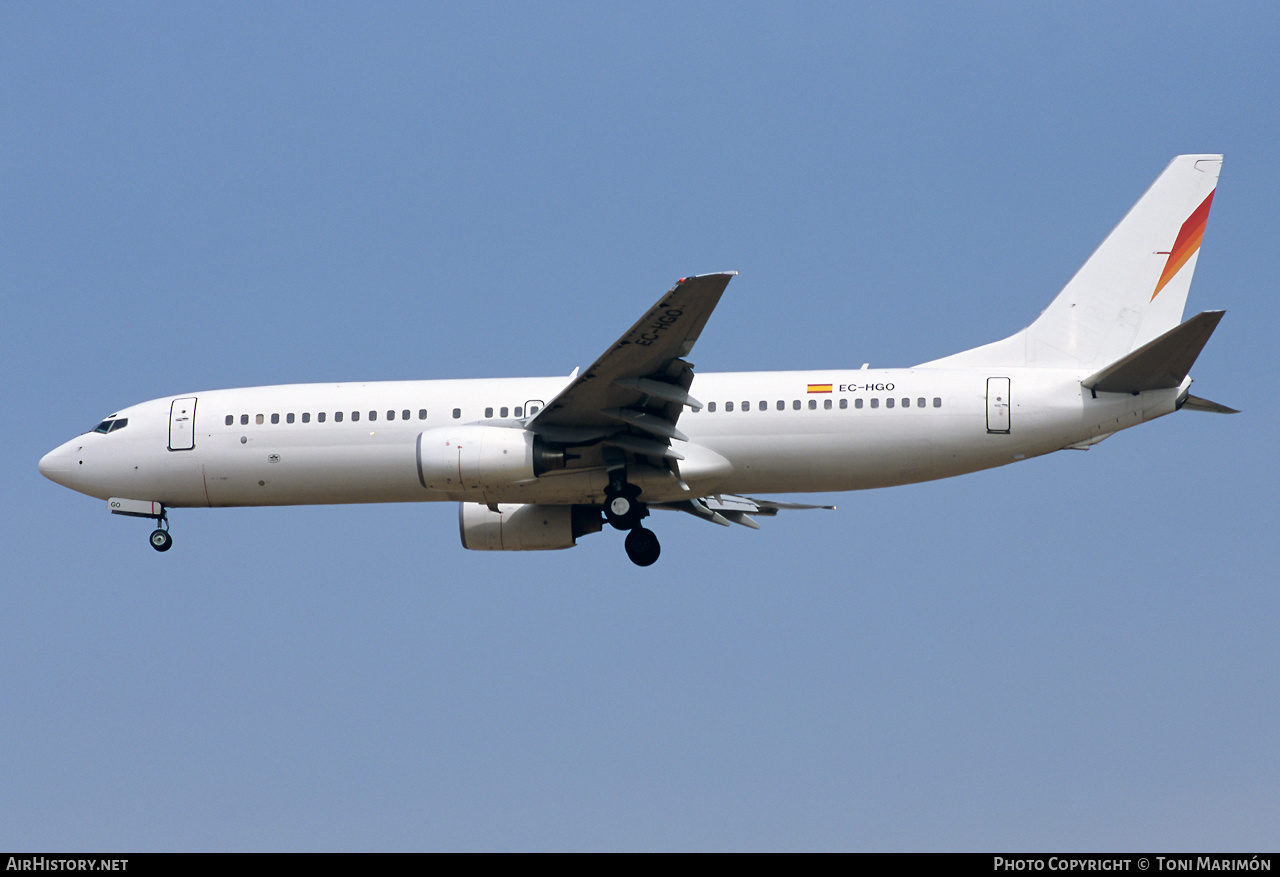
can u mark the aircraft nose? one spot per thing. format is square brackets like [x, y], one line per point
[56, 465]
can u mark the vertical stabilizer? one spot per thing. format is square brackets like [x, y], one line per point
[1132, 289]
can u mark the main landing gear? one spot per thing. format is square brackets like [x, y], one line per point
[642, 547]
[624, 511]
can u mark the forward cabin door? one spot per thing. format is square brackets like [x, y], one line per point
[998, 405]
[182, 424]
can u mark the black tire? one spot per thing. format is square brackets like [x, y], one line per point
[642, 547]
[161, 540]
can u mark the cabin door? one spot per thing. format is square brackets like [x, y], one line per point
[998, 405]
[182, 424]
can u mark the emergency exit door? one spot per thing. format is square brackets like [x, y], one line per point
[998, 405]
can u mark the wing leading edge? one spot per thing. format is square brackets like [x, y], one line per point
[631, 397]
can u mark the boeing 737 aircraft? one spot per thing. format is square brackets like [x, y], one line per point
[534, 463]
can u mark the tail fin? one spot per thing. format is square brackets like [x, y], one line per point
[1131, 291]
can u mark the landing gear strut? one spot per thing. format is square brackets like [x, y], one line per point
[160, 538]
[621, 508]
[624, 511]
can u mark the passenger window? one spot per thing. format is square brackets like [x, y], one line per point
[289, 417]
[259, 419]
[920, 402]
[457, 412]
[906, 403]
[306, 417]
[782, 406]
[422, 414]
[728, 406]
[844, 403]
[488, 412]
[764, 405]
[826, 403]
[937, 402]
[504, 411]
[875, 403]
[244, 419]
[857, 403]
[813, 404]
[746, 406]
[355, 416]
[337, 417]
[795, 404]
[231, 418]
[373, 415]
[275, 418]
[711, 407]
[320, 417]
[888, 403]
[533, 409]
[391, 415]
[404, 415]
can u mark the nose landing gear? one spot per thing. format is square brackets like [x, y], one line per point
[160, 538]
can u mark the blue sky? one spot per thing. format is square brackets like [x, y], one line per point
[1077, 652]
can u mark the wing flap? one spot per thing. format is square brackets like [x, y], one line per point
[726, 508]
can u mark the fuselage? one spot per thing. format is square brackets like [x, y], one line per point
[758, 432]
[534, 463]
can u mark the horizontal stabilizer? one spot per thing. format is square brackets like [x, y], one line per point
[1161, 364]
[1195, 403]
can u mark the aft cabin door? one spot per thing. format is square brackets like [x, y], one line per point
[182, 424]
[998, 405]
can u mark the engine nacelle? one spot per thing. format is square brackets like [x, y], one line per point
[524, 527]
[463, 458]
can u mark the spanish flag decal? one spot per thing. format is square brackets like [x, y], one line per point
[819, 388]
[1187, 243]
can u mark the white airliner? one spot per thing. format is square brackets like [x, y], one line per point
[534, 463]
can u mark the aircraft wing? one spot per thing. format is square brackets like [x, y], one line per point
[725, 508]
[632, 396]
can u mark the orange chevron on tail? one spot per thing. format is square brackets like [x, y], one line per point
[1188, 242]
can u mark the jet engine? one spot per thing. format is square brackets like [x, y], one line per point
[524, 527]
[465, 458]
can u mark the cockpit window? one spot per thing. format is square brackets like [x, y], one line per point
[111, 424]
